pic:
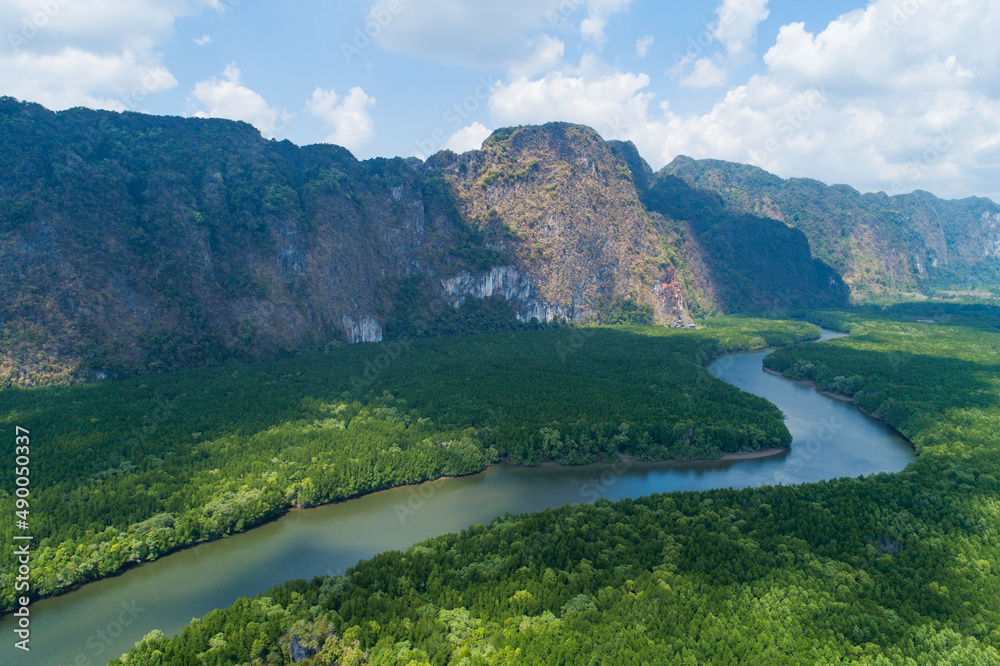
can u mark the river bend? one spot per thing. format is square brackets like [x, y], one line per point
[104, 619]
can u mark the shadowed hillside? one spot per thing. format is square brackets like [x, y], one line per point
[882, 245]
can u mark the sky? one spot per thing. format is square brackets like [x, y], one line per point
[892, 95]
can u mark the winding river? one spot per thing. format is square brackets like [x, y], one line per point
[102, 620]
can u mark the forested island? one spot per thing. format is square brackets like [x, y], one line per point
[885, 569]
[153, 464]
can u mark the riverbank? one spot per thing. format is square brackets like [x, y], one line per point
[808, 383]
[887, 424]
[732, 455]
[811, 384]
[758, 454]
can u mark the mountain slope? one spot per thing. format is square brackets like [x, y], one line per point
[564, 207]
[589, 221]
[882, 245]
[134, 243]
[130, 241]
[747, 261]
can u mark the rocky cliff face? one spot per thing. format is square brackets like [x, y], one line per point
[882, 245]
[137, 243]
[563, 207]
[510, 284]
[991, 233]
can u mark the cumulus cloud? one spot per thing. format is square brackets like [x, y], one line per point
[546, 55]
[352, 124]
[735, 30]
[706, 73]
[907, 87]
[610, 101]
[880, 98]
[88, 52]
[736, 26]
[227, 97]
[642, 45]
[72, 77]
[467, 138]
[202, 41]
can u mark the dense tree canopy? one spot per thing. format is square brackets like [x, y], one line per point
[137, 468]
[888, 569]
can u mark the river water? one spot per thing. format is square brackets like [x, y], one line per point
[104, 619]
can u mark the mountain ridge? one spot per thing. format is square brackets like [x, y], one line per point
[133, 243]
[883, 245]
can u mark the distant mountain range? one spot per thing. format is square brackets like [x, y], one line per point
[133, 243]
[882, 245]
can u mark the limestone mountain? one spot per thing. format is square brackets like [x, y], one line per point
[133, 243]
[564, 210]
[589, 221]
[882, 245]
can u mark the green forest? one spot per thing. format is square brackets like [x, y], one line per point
[130, 470]
[886, 569]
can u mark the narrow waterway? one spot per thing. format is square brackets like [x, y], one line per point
[104, 619]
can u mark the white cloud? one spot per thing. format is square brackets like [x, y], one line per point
[706, 73]
[642, 45]
[547, 54]
[486, 35]
[865, 123]
[592, 27]
[95, 25]
[908, 88]
[467, 138]
[879, 99]
[352, 125]
[202, 41]
[736, 27]
[229, 98]
[92, 53]
[72, 77]
[479, 34]
[609, 101]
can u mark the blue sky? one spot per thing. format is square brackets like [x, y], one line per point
[892, 95]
